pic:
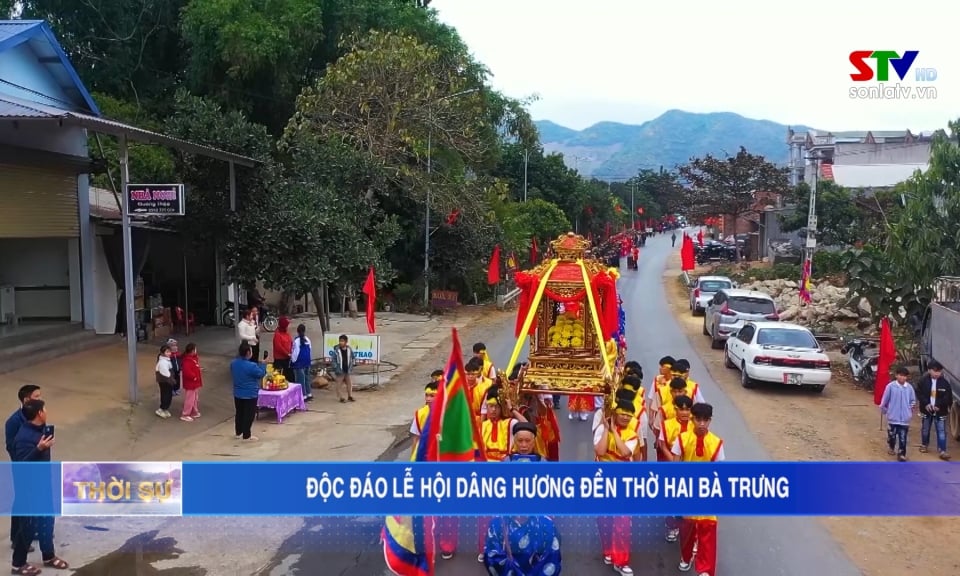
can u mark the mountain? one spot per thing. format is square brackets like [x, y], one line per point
[610, 150]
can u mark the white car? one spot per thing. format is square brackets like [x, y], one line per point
[704, 288]
[778, 353]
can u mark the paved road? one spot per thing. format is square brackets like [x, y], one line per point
[349, 546]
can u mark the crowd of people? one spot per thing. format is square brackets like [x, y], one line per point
[673, 413]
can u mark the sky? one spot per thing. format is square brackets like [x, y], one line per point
[630, 60]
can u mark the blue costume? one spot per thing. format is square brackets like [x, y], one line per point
[524, 458]
[530, 548]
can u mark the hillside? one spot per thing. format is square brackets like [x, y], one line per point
[613, 150]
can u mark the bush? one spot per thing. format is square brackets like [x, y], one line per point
[404, 295]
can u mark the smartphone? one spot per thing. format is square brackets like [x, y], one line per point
[48, 431]
[265, 354]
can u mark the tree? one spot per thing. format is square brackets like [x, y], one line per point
[923, 240]
[728, 186]
[390, 98]
[839, 220]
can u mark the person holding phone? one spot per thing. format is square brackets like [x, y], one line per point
[33, 443]
[247, 372]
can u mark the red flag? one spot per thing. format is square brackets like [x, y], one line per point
[534, 256]
[493, 272]
[370, 289]
[888, 355]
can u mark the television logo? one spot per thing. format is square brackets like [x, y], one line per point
[122, 489]
[884, 61]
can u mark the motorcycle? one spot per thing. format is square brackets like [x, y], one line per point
[269, 319]
[863, 366]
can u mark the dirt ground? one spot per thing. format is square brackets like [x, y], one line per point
[841, 424]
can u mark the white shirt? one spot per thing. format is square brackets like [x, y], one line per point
[601, 431]
[677, 451]
[414, 427]
[247, 332]
[164, 366]
[933, 392]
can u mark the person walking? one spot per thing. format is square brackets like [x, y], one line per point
[898, 404]
[934, 397]
[343, 360]
[26, 393]
[247, 373]
[192, 382]
[673, 240]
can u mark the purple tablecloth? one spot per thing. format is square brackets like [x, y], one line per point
[283, 401]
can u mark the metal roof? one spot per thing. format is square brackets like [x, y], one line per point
[38, 36]
[25, 112]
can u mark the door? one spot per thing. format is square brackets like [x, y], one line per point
[711, 315]
[737, 346]
[38, 203]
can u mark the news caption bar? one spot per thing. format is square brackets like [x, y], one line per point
[474, 489]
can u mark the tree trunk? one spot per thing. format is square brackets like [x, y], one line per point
[286, 303]
[318, 301]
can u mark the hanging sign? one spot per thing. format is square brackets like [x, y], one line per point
[155, 199]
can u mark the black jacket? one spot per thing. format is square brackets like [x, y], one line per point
[944, 395]
[25, 444]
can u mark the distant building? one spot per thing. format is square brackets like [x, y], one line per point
[858, 159]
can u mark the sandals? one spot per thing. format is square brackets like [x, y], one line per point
[924, 450]
[26, 570]
[56, 564]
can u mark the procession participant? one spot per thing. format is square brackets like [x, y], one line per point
[662, 408]
[524, 447]
[662, 378]
[540, 412]
[496, 432]
[480, 351]
[477, 387]
[670, 430]
[682, 369]
[522, 546]
[436, 375]
[420, 416]
[699, 533]
[616, 441]
[631, 389]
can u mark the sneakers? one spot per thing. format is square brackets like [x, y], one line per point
[251, 439]
[673, 535]
[624, 570]
[571, 416]
[195, 415]
[944, 456]
[480, 557]
[608, 560]
[446, 555]
[186, 419]
[685, 566]
[704, 574]
[583, 418]
[163, 413]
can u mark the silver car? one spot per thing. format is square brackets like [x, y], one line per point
[731, 308]
[702, 290]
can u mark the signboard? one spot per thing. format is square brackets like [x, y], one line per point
[366, 347]
[155, 199]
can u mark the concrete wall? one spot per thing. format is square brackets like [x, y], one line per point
[894, 153]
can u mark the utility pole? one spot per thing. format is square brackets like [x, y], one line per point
[526, 161]
[426, 224]
[812, 218]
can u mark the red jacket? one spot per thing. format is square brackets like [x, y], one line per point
[192, 377]
[282, 345]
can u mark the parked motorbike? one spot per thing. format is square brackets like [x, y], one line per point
[269, 319]
[863, 365]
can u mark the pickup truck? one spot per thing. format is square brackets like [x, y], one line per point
[940, 340]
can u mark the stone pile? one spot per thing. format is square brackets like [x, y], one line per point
[831, 307]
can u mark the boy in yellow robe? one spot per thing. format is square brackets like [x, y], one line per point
[420, 416]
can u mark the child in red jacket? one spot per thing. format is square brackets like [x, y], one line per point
[192, 382]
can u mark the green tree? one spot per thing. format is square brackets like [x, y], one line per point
[129, 49]
[840, 222]
[728, 186]
[925, 237]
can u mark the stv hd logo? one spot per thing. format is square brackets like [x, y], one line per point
[884, 61]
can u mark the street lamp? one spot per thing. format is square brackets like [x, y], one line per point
[426, 223]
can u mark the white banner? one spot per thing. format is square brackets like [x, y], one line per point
[366, 347]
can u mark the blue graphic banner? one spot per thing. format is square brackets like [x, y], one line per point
[442, 489]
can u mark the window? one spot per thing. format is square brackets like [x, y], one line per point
[713, 285]
[787, 338]
[746, 334]
[751, 305]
